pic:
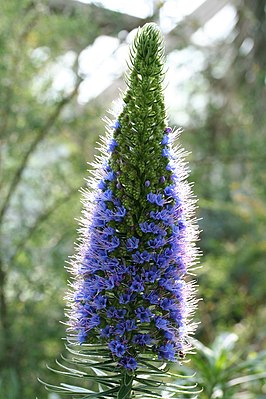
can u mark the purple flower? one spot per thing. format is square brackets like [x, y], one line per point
[112, 145]
[100, 302]
[144, 315]
[155, 199]
[168, 304]
[124, 298]
[137, 285]
[106, 332]
[169, 190]
[161, 323]
[117, 348]
[102, 185]
[168, 130]
[128, 363]
[120, 213]
[113, 244]
[147, 183]
[167, 352]
[116, 125]
[142, 339]
[153, 298]
[165, 140]
[130, 325]
[132, 243]
[110, 176]
[165, 153]
[151, 198]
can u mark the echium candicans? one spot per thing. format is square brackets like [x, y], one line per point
[130, 301]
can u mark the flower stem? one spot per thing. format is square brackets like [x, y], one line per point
[126, 386]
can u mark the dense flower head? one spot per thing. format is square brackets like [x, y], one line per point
[130, 291]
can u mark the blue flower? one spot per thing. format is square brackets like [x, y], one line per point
[113, 244]
[168, 304]
[167, 352]
[130, 325]
[108, 195]
[156, 243]
[168, 130]
[82, 336]
[100, 302]
[102, 185]
[116, 125]
[112, 145]
[151, 198]
[142, 339]
[169, 191]
[94, 321]
[124, 298]
[153, 298]
[121, 313]
[120, 213]
[144, 315]
[106, 332]
[165, 140]
[110, 176]
[119, 329]
[137, 284]
[159, 200]
[161, 323]
[108, 231]
[155, 199]
[132, 243]
[128, 363]
[165, 152]
[145, 256]
[112, 312]
[117, 348]
[152, 275]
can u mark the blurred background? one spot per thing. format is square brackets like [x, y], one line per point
[61, 66]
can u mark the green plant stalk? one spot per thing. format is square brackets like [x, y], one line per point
[125, 386]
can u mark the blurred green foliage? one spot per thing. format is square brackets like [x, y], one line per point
[46, 140]
[227, 370]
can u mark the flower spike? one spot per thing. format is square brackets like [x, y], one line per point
[130, 296]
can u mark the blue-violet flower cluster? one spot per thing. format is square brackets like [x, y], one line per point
[130, 290]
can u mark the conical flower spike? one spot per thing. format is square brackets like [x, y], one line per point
[130, 297]
[129, 291]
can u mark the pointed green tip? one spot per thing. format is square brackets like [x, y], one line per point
[149, 43]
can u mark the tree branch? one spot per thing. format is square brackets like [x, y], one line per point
[42, 218]
[39, 137]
